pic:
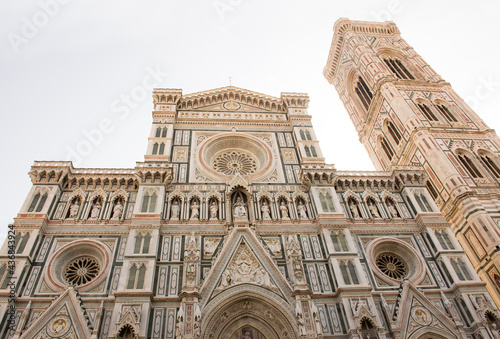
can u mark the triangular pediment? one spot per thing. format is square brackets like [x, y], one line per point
[416, 315]
[231, 99]
[243, 260]
[64, 318]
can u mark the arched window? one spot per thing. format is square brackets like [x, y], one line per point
[142, 243]
[387, 148]
[34, 202]
[145, 203]
[394, 132]
[326, 202]
[158, 132]
[432, 190]
[349, 273]
[419, 202]
[3, 270]
[22, 244]
[136, 277]
[490, 164]
[329, 202]
[308, 135]
[447, 114]
[41, 203]
[469, 165]
[152, 203]
[339, 242]
[126, 332]
[426, 203]
[162, 148]
[148, 202]
[460, 268]
[155, 148]
[364, 93]
[397, 67]
[308, 153]
[164, 132]
[138, 243]
[426, 111]
[313, 151]
[302, 135]
[131, 277]
[444, 240]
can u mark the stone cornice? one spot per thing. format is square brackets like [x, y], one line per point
[231, 93]
[344, 25]
[58, 172]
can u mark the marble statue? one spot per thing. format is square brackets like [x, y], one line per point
[96, 210]
[354, 209]
[213, 210]
[117, 210]
[175, 210]
[73, 210]
[240, 209]
[302, 210]
[195, 210]
[265, 211]
[284, 210]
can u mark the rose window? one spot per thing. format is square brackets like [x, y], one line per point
[81, 271]
[392, 265]
[235, 162]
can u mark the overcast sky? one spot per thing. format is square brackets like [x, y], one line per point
[69, 68]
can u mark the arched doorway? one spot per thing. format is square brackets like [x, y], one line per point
[126, 332]
[247, 332]
[251, 307]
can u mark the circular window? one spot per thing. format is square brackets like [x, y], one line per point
[234, 153]
[82, 271]
[69, 267]
[230, 163]
[392, 265]
[393, 260]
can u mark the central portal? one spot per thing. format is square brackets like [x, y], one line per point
[247, 332]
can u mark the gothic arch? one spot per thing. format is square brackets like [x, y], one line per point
[175, 194]
[298, 194]
[350, 194]
[195, 194]
[98, 194]
[369, 194]
[251, 306]
[351, 82]
[282, 195]
[121, 193]
[431, 333]
[264, 194]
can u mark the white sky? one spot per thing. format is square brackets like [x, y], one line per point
[62, 79]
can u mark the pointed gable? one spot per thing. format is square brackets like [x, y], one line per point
[414, 315]
[244, 260]
[65, 317]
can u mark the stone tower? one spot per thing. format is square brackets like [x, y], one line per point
[406, 114]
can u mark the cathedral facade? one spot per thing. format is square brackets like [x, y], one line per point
[234, 226]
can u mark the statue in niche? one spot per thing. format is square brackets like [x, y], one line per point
[354, 208]
[284, 210]
[301, 208]
[96, 210]
[195, 209]
[265, 210]
[175, 210]
[373, 209]
[117, 210]
[73, 209]
[213, 210]
[240, 208]
[392, 209]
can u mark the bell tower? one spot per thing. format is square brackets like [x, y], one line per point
[406, 115]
